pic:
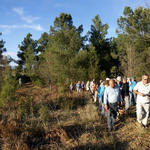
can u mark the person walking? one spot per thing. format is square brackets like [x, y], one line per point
[71, 87]
[125, 93]
[101, 96]
[142, 89]
[91, 86]
[83, 86]
[78, 86]
[133, 95]
[20, 82]
[88, 86]
[95, 92]
[112, 98]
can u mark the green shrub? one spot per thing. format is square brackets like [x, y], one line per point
[9, 86]
[44, 114]
[26, 109]
[36, 80]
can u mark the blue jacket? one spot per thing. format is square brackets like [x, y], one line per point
[133, 83]
[101, 95]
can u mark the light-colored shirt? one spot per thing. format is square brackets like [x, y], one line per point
[144, 89]
[133, 84]
[112, 95]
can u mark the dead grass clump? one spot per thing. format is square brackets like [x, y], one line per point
[89, 113]
[87, 138]
[59, 135]
[34, 137]
[10, 134]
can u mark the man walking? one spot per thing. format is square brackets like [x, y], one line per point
[78, 86]
[111, 99]
[142, 89]
[125, 93]
[133, 96]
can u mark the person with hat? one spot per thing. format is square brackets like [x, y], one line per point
[119, 83]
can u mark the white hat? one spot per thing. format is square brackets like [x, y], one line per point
[119, 78]
[107, 79]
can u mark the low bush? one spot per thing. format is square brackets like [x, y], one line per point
[9, 86]
[44, 114]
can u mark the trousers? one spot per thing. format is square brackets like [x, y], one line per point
[142, 111]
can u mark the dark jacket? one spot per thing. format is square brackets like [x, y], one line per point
[125, 89]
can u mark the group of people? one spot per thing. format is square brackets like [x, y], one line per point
[79, 86]
[113, 93]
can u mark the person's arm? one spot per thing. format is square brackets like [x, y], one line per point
[105, 99]
[135, 90]
[138, 93]
[100, 94]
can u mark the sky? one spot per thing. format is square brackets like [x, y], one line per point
[19, 17]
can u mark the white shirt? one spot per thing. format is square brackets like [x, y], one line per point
[144, 89]
[112, 95]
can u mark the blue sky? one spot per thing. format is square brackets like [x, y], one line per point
[19, 17]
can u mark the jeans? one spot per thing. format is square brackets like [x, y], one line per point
[102, 108]
[78, 90]
[127, 103]
[132, 97]
[112, 114]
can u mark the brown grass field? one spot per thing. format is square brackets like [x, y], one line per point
[39, 119]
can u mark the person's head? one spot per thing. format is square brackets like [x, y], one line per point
[132, 78]
[128, 79]
[145, 78]
[107, 79]
[106, 83]
[118, 79]
[112, 83]
[124, 80]
[102, 83]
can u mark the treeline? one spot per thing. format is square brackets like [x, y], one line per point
[64, 54]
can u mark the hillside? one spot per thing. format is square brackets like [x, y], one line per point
[41, 119]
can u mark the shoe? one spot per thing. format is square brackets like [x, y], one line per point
[114, 129]
[144, 126]
[109, 129]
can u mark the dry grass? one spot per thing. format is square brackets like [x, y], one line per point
[74, 123]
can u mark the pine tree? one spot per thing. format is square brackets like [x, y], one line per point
[65, 42]
[30, 61]
[133, 40]
[25, 44]
[102, 45]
